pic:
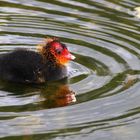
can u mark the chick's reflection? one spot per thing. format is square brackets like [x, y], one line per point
[50, 95]
[58, 96]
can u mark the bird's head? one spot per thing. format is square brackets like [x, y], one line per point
[59, 51]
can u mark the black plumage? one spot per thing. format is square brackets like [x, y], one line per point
[26, 66]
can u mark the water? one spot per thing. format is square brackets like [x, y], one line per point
[101, 98]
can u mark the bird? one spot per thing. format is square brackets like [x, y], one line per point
[47, 63]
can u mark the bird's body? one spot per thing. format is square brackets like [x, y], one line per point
[26, 66]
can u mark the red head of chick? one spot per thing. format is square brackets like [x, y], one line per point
[26, 66]
[52, 48]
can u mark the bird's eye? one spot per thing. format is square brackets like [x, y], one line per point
[58, 51]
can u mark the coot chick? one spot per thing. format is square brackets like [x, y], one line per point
[45, 64]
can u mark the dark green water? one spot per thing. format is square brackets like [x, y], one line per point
[101, 98]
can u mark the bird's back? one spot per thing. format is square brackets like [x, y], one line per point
[21, 66]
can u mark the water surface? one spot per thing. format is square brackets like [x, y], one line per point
[101, 97]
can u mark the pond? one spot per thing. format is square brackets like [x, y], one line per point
[101, 97]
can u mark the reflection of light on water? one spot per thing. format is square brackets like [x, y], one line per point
[3, 22]
[12, 100]
[16, 11]
[137, 9]
[76, 69]
[89, 25]
[76, 3]
[5, 39]
[90, 83]
[16, 39]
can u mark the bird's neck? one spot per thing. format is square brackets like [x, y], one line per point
[55, 71]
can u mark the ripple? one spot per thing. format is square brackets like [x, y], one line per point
[100, 96]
